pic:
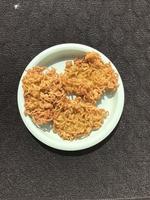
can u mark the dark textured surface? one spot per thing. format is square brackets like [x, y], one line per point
[120, 166]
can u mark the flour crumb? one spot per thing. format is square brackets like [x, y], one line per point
[16, 6]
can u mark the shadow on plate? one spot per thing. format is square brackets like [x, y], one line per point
[79, 152]
[109, 95]
[45, 127]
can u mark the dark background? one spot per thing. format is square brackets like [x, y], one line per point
[119, 167]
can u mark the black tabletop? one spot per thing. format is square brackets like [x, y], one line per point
[119, 167]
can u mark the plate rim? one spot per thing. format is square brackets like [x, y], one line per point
[70, 147]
